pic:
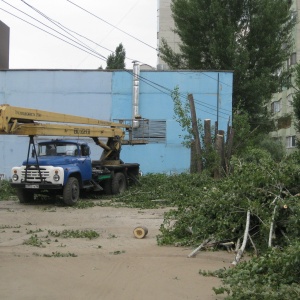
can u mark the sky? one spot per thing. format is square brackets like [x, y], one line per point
[100, 25]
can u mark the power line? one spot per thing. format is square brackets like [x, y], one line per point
[68, 30]
[155, 85]
[162, 88]
[97, 56]
[59, 25]
[111, 24]
[168, 91]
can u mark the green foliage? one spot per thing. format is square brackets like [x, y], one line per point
[6, 191]
[82, 204]
[274, 275]
[34, 241]
[218, 208]
[156, 190]
[116, 60]
[296, 98]
[90, 234]
[240, 35]
[245, 138]
[182, 115]
[57, 254]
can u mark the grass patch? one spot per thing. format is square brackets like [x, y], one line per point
[34, 241]
[89, 234]
[6, 191]
[9, 226]
[117, 252]
[57, 254]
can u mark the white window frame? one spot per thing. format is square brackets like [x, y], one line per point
[276, 106]
[291, 141]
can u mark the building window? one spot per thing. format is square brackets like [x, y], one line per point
[291, 141]
[154, 131]
[276, 106]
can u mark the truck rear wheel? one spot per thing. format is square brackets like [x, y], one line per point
[119, 184]
[25, 196]
[107, 187]
[71, 191]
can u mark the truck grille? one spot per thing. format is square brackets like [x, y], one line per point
[33, 174]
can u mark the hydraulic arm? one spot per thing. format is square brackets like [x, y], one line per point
[33, 122]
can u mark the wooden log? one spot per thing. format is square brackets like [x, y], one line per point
[140, 232]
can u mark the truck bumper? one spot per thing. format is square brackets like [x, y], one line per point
[36, 186]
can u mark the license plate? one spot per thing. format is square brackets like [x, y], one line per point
[31, 186]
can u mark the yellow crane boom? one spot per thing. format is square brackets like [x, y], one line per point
[33, 122]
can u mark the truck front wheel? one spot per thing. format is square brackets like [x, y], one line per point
[71, 191]
[25, 196]
[119, 184]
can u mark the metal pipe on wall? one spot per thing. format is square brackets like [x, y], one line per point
[136, 94]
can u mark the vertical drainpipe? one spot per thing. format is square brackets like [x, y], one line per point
[135, 94]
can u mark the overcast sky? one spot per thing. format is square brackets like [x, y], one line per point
[134, 25]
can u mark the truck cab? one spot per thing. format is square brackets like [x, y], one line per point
[56, 166]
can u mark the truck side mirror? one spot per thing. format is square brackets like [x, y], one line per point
[86, 151]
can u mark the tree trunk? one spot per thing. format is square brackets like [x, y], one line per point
[246, 234]
[195, 134]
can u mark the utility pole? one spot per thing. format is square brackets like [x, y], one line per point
[198, 158]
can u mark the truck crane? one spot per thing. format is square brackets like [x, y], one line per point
[62, 166]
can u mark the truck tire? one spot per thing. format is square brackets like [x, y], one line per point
[107, 187]
[119, 184]
[25, 196]
[71, 191]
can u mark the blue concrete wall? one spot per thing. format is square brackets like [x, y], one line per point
[107, 96]
[155, 103]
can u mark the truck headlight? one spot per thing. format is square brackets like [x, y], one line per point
[15, 177]
[56, 177]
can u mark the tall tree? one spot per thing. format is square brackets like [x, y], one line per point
[296, 98]
[116, 60]
[252, 38]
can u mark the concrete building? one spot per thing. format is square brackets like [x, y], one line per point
[4, 46]
[281, 104]
[165, 26]
[107, 95]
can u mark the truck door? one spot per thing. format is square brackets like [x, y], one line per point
[85, 163]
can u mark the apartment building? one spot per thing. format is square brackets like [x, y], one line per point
[165, 26]
[281, 103]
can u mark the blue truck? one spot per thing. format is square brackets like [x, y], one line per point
[64, 167]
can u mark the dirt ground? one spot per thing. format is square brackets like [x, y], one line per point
[116, 265]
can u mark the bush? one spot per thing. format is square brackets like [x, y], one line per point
[275, 275]
[6, 191]
[217, 209]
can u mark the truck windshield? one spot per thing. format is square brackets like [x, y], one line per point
[54, 149]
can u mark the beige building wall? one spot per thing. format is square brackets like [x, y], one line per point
[281, 104]
[165, 26]
[4, 46]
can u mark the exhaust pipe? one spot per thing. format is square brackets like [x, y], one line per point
[135, 94]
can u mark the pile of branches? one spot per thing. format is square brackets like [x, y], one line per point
[260, 194]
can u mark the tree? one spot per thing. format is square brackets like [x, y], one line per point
[116, 60]
[296, 98]
[252, 38]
